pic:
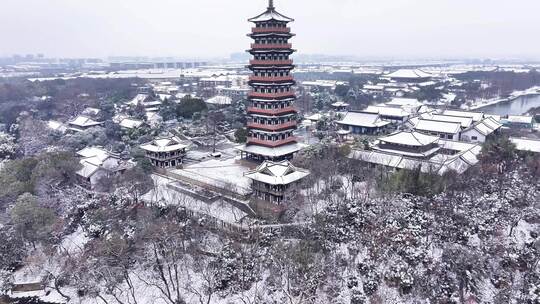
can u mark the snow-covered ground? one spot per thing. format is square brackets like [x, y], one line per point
[221, 173]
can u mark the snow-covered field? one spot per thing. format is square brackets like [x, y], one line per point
[222, 173]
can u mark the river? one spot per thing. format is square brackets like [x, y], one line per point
[518, 106]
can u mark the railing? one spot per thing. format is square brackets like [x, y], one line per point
[271, 78]
[165, 157]
[272, 95]
[278, 111]
[266, 189]
[270, 62]
[272, 143]
[257, 30]
[257, 46]
[281, 126]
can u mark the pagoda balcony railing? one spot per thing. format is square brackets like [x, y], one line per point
[258, 30]
[271, 78]
[272, 95]
[274, 112]
[165, 157]
[272, 143]
[259, 46]
[267, 189]
[281, 126]
[271, 62]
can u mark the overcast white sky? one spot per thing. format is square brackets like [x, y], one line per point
[216, 28]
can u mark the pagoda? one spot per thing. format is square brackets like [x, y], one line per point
[272, 116]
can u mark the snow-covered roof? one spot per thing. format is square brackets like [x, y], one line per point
[139, 99]
[91, 165]
[373, 87]
[223, 173]
[164, 97]
[95, 158]
[93, 151]
[277, 173]
[315, 117]
[387, 111]
[526, 144]
[130, 123]
[343, 132]
[440, 163]
[496, 117]
[271, 14]
[410, 138]
[457, 145]
[361, 119]
[149, 104]
[520, 119]
[486, 126]
[492, 123]
[438, 126]
[150, 110]
[83, 121]
[464, 121]
[409, 74]
[340, 104]
[219, 100]
[320, 83]
[57, 126]
[427, 83]
[394, 161]
[271, 152]
[152, 116]
[476, 116]
[412, 122]
[91, 111]
[87, 170]
[164, 144]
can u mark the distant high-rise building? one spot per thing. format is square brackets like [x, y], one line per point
[271, 112]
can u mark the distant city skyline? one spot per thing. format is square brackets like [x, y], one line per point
[203, 29]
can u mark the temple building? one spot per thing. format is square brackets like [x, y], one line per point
[82, 123]
[411, 144]
[409, 76]
[271, 182]
[165, 152]
[412, 150]
[271, 113]
[98, 163]
[363, 123]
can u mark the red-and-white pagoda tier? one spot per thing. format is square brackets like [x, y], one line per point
[271, 112]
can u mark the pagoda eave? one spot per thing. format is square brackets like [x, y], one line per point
[275, 50]
[254, 67]
[258, 83]
[287, 35]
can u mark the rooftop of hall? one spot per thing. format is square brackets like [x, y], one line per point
[271, 14]
[277, 173]
[409, 138]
